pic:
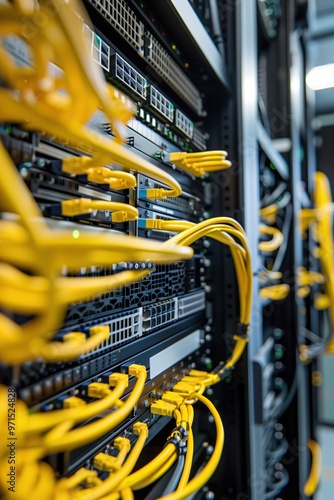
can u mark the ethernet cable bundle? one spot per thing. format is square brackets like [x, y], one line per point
[35, 293]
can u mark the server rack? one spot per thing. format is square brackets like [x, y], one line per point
[226, 75]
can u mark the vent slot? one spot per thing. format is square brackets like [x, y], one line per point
[184, 124]
[127, 75]
[191, 304]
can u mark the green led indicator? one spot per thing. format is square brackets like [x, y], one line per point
[279, 353]
[272, 166]
[76, 234]
[209, 366]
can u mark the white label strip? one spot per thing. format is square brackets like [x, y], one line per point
[168, 357]
[92, 192]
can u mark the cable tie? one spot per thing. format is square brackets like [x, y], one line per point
[222, 372]
[181, 430]
[242, 331]
[180, 445]
[219, 367]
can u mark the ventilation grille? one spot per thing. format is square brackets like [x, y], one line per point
[162, 62]
[184, 203]
[184, 124]
[159, 102]
[191, 304]
[122, 329]
[159, 314]
[124, 20]
[126, 74]
[199, 140]
[99, 49]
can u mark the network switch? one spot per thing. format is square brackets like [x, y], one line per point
[114, 308]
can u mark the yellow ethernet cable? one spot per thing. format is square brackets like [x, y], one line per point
[127, 494]
[114, 479]
[73, 346]
[229, 232]
[41, 422]
[27, 243]
[319, 219]
[306, 279]
[53, 104]
[268, 214]
[120, 211]
[36, 478]
[31, 451]
[108, 463]
[198, 164]
[115, 179]
[68, 439]
[205, 474]
[190, 452]
[274, 243]
[275, 292]
[29, 294]
[82, 476]
[313, 480]
[162, 462]
[159, 465]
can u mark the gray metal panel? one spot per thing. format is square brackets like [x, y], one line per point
[302, 374]
[199, 34]
[247, 93]
[324, 101]
[321, 50]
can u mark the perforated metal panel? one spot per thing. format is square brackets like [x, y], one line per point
[162, 62]
[124, 20]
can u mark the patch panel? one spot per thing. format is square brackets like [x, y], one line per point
[199, 140]
[182, 206]
[39, 384]
[160, 104]
[51, 189]
[154, 389]
[128, 25]
[122, 72]
[165, 66]
[150, 233]
[125, 76]
[127, 326]
[157, 132]
[123, 19]
[100, 50]
[183, 124]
